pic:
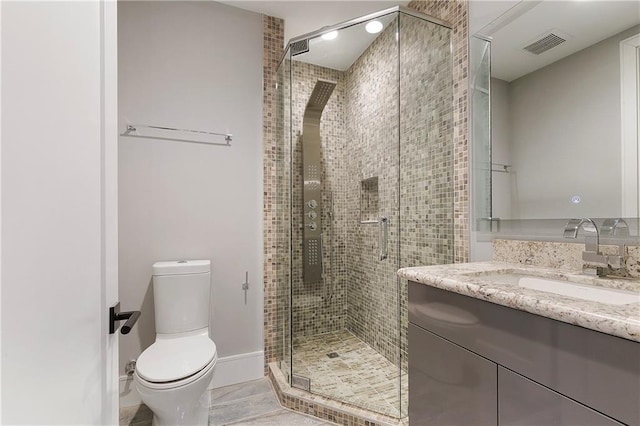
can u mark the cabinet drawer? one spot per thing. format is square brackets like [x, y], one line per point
[525, 403]
[599, 370]
[449, 385]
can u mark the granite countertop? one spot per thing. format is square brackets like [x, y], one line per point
[478, 280]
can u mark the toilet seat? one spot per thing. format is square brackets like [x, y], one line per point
[174, 359]
[176, 383]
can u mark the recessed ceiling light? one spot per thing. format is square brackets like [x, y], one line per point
[374, 27]
[330, 35]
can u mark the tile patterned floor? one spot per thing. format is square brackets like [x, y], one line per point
[250, 403]
[359, 375]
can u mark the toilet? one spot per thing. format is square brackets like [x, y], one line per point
[173, 374]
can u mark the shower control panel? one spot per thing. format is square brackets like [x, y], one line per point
[312, 214]
[312, 250]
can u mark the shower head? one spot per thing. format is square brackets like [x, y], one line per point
[320, 95]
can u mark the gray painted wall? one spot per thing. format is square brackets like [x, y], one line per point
[564, 135]
[194, 65]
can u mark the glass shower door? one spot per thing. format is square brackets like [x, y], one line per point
[345, 218]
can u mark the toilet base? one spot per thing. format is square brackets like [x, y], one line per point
[187, 414]
[179, 406]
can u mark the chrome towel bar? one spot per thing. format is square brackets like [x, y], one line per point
[132, 128]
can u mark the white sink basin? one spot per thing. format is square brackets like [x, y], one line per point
[594, 293]
[610, 296]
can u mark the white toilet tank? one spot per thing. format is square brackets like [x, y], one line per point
[181, 292]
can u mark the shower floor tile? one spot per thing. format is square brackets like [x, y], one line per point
[359, 376]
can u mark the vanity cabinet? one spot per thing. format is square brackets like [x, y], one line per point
[512, 363]
[449, 385]
[523, 402]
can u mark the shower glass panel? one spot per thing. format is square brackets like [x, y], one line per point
[365, 187]
[426, 157]
[283, 215]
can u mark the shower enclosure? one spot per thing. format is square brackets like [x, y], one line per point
[365, 187]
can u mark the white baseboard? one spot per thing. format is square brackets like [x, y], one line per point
[229, 370]
[237, 369]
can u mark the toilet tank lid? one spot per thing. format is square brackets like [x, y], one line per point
[180, 267]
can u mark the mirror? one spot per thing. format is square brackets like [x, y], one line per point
[554, 98]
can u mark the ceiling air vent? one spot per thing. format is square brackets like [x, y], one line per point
[544, 43]
[299, 47]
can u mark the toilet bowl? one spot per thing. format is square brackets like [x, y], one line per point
[173, 374]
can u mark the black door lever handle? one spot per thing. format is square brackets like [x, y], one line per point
[115, 315]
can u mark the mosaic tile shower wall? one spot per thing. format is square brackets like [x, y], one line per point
[371, 121]
[426, 153]
[456, 13]
[273, 35]
[319, 307]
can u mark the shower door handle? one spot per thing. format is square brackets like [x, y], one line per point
[383, 236]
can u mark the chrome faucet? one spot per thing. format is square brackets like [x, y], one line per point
[610, 227]
[595, 262]
[591, 236]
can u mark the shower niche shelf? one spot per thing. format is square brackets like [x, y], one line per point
[369, 200]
